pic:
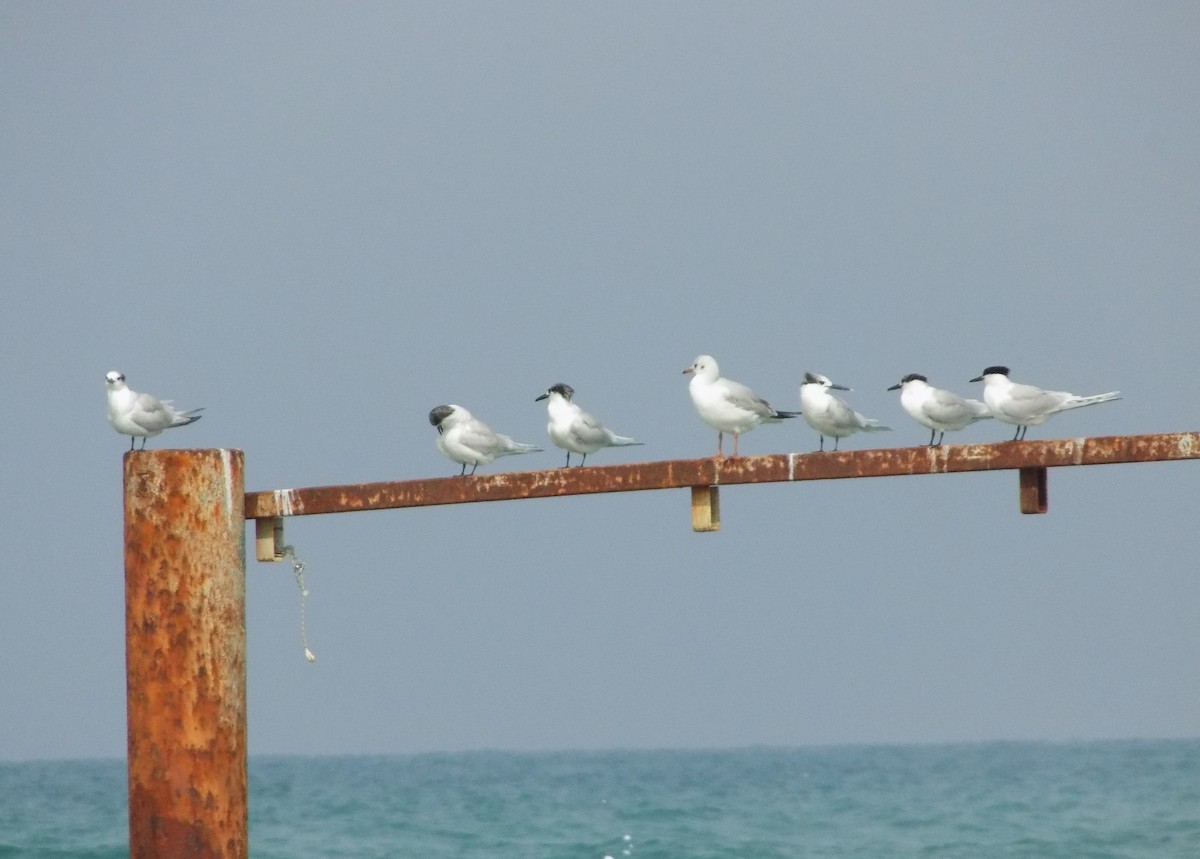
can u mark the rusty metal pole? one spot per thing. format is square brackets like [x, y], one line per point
[185, 653]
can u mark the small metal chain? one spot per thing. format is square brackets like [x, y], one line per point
[298, 571]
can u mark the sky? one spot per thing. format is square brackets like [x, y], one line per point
[320, 220]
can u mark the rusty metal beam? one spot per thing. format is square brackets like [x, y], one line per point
[675, 474]
[185, 653]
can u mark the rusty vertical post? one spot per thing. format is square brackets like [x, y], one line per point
[1034, 498]
[185, 653]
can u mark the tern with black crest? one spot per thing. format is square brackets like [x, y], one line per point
[829, 415]
[573, 429]
[937, 410]
[1024, 406]
[465, 439]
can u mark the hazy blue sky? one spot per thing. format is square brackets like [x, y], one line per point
[319, 220]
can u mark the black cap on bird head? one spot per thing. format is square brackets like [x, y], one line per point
[911, 377]
[561, 388]
[438, 414]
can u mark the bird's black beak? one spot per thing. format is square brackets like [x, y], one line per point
[542, 397]
[895, 387]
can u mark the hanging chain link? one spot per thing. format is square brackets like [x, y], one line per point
[298, 571]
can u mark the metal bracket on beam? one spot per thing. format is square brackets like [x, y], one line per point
[706, 508]
[268, 539]
[1033, 490]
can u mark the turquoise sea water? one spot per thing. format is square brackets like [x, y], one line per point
[1110, 799]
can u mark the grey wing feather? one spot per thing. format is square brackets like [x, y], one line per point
[479, 437]
[842, 415]
[948, 408]
[506, 445]
[979, 409]
[151, 413]
[1033, 400]
[742, 397]
[150, 404]
[588, 430]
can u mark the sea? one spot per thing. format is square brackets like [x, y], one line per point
[1012, 799]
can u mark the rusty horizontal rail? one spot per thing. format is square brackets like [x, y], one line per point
[682, 473]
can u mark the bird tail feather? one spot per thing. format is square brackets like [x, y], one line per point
[1080, 402]
[623, 441]
[520, 447]
[184, 418]
[982, 412]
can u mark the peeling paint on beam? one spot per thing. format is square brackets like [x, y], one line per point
[684, 473]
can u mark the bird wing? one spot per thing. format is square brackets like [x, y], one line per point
[842, 415]
[589, 432]
[1028, 401]
[737, 394]
[151, 413]
[978, 409]
[479, 437]
[948, 408]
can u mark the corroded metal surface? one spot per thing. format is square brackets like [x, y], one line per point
[675, 474]
[1033, 495]
[185, 640]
